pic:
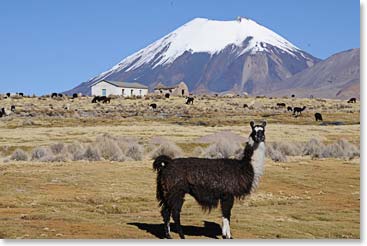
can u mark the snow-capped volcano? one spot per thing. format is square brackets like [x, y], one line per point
[211, 55]
[208, 36]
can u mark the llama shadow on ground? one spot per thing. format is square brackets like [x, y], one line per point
[210, 229]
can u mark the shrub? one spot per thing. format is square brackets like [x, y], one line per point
[167, 148]
[124, 142]
[108, 147]
[39, 153]
[341, 149]
[223, 149]
[349, 148]
[118, 156]
[57, 148]
[313, 148]
[135, 151]
[275, 154]
[74, 148]
[91, 154]
[19, 155]
[289, 149]
[54, 153]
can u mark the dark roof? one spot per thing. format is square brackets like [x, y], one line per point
[124, 84]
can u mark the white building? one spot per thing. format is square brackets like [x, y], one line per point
[126, 89]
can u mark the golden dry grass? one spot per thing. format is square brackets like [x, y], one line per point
[307, 199]
[302, 198]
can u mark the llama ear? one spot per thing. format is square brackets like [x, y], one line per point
[252, 123]
[264, 123]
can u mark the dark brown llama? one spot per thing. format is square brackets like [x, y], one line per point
[189, 100]
[209, 181]
[106, 100]
[153, 106]
[352, 100]
[318, 117]
[298, 110]
[281, 105]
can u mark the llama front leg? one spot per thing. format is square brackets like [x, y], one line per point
[226, 205]
[226, 229]
[166, 214]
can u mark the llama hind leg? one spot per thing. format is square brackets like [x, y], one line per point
[176, 210]
[226, 205]
[166, 214]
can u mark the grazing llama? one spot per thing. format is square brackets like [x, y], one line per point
[2, 112]
[318, 117]
[153, 106]
[189, 100]
[209, 181]
[298, 110]
[106, 100]
[352, 100]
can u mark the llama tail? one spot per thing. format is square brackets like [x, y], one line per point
[161, 162]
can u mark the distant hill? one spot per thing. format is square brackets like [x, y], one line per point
[336, 77]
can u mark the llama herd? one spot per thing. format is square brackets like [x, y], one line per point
[298, 110]
[104, 99]
[189, 100]
[7, 110]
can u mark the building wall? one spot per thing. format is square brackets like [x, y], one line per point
[177, 91]
[133, 92]
[96, 90]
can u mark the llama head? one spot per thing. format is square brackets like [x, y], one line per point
[258, 132]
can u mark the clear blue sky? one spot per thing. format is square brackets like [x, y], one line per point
[50, 45]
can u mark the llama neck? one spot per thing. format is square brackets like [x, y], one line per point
[256, 158]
